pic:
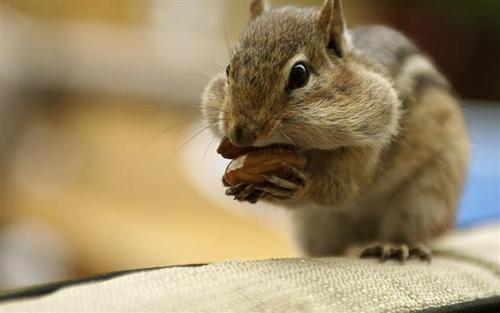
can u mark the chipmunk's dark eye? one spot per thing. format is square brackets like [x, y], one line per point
[228, 69]
[299, 76]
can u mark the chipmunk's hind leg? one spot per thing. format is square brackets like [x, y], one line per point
[422, 209]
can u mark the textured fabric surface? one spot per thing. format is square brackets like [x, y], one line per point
[295, 285]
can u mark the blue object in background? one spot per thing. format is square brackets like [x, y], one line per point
[481, 200]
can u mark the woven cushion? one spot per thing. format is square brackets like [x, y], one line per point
[468, 270]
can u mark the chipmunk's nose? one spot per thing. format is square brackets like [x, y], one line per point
[242, 136]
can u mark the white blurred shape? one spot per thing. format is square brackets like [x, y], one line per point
[31, 253]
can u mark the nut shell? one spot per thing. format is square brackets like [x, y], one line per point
[230, 151]
[253, 166]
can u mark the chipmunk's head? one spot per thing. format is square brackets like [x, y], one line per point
[294, 78]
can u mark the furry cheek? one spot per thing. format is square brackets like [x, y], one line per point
[383, 110]
[213, 104]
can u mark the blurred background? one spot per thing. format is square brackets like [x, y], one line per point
[104, 163]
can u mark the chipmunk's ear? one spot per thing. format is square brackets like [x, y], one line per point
[258, 7]
[332, 25]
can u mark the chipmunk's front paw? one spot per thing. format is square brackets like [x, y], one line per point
[403, 253]
[274, 187]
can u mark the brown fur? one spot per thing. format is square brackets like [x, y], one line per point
[385, 139]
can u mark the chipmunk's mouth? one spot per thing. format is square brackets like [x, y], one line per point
[229, 150]
[276, 139]
[273, 144]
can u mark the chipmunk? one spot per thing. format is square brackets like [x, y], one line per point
[385, 140]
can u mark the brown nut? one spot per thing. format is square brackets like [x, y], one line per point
[230, 151]
[253, 166]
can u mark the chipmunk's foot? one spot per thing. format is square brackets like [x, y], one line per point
[275, 187]
[403, 253]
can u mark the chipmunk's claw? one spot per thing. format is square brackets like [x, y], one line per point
[277, 193]
[244, 192]
[232, 191]
[298, 175]
[283, 188]
[422, 252]
[282, 183]
[403, 253]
